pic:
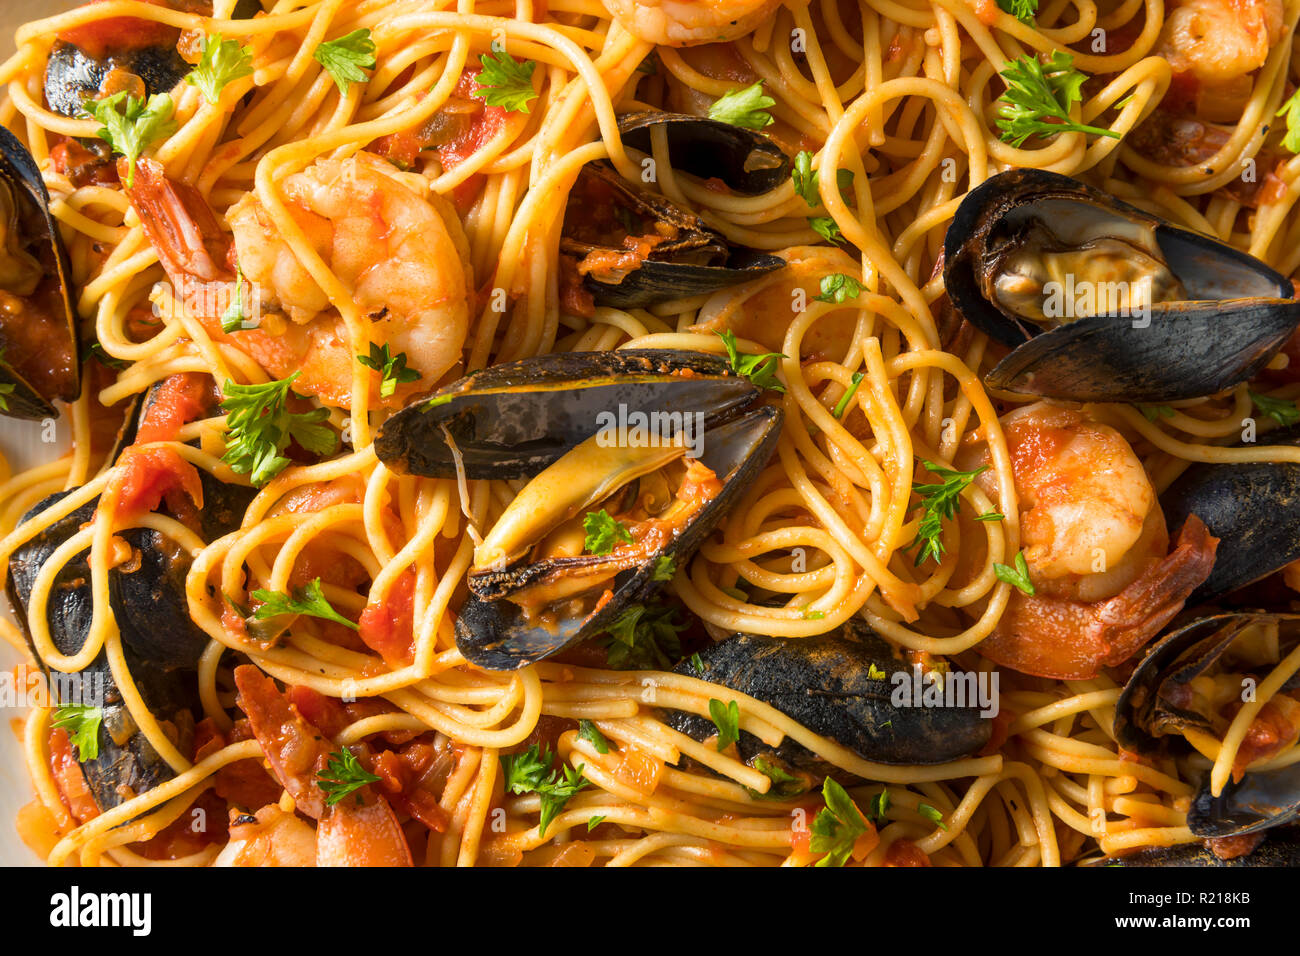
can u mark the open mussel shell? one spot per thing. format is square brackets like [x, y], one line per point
[1253, 508]
[512, 420]
[160, 641]
[683, 255]
[73, 76]
[1236, 313]
[498, 635]
[747, 161]
[38, 326]
[1153, 707]
[825, 683]
[1280, 848]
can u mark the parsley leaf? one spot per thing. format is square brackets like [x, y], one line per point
[784, 784]
[826, 227]
[134, 128]
[589, 731]
[746, 107]
[726, 717]
[347, 58]
[878, 807]
[1038, 92]
[759, 369]
[847, 397]
[874, 672]
[220, 62]
[1155, 412]
[1291, 110]
[6, 388]
[528, 773]
[81, 721]
[665, 568]
[838, 287]
[939, 502]
[603, 532]
[392, 368]
[1017, 576]
[990, 516]
[233, 318]
[343, 775]
[1023, 10]
[309, 600]
[697, 663]
[836, 828]
[644, 638]
[1280, 410]
[807, 181]
[260, 427]
[593, 822]
[506, 82]
[932, 814]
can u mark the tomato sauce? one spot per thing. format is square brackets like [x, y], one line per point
[100, 38]
[389, 627]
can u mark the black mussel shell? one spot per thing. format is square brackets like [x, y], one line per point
[1253, 509]
[497, 635]
[1148, 711]
[512, 420]
[38, 337]
[746, 160]
[73, 76]
[1280, 848]
[825, 684]
[1238, 312]
[604, 208]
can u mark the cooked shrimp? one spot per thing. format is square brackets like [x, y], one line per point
[688, 22]
[271, 838]
[400, 250]
[1220, 40]
[361, 830]
[1096, 547]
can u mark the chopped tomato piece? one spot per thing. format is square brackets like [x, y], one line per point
[100, 38]
[389, 627]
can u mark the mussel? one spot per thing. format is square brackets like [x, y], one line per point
[842, 685]
[161, 643]
[1279, 848]
[38, 327]
[1189, 683]
[1102, 302]
[662, 441]
[633, 247]
[1253, 508]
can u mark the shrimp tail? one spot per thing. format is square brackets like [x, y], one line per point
[179, 223]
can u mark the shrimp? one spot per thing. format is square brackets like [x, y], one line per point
[1095, 544]
[269, 838]
[400, 251]
[689, 22]
[361, 830]
[1220, 40]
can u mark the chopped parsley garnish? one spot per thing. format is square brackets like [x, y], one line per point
[589, 731]
[347, 58]
[309, 600]
[530, 772]
[784, 784]
[826, 227]
[808, 614]
[847, 397]
[807, 181]
[874, 672]
[392, 368]
[697, 664]
[1023, 10]
[939, 503]
[933, 815]
[878, 807]
[665, 568]
[233, 318]
[1038, 98]
[81, 721]
[1279, 409]
[603, 532]
[1017, 576]
[759, 369]
[1155, 412]
[726, 717]
[343, 775]
[644, 638]
[838, 287]
[6, 388]
[260, 428]
[593, 822]
[990, 516]
[134, 128]
[505, 81]
[220, 62]
[837, 828]
[746, 107]
[1291, 110]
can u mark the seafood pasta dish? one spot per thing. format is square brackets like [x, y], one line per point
[684, 432]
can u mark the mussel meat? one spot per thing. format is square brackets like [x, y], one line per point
[1187, 690]
[1102, 302]
[841, 685]
[661, 442]
[38, 327]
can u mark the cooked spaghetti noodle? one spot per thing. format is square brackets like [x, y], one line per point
[902, 95]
